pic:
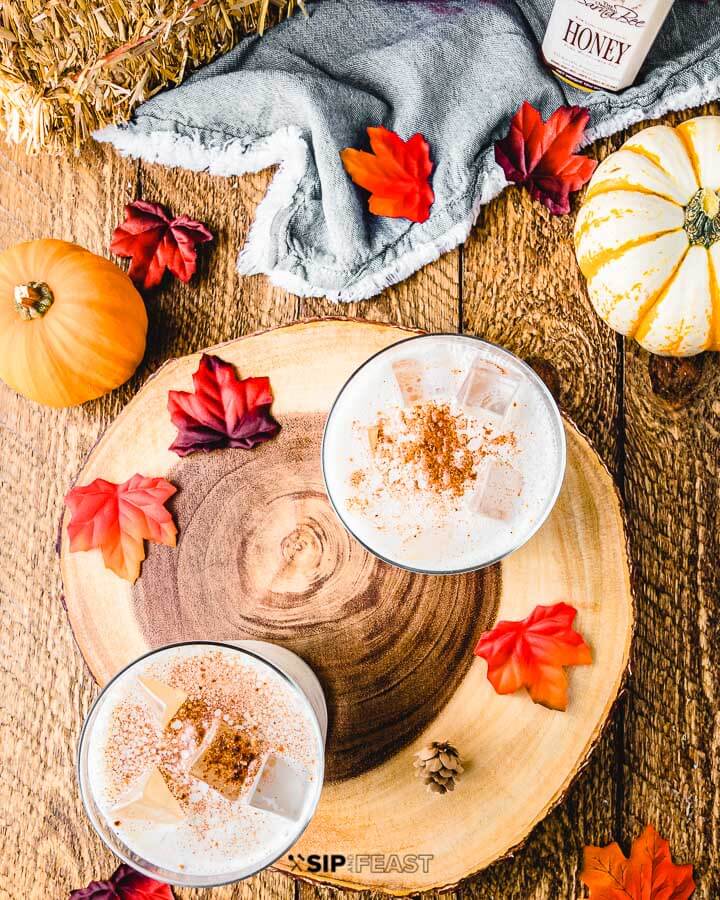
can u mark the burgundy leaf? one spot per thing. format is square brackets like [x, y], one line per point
[124, 884]
[155, 242]
[223, 410]
[541, 155]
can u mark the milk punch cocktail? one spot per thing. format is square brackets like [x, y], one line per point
[443, 453]
[202, 763]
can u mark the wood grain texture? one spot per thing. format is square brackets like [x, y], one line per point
[392, 649]
[516, 281]
[263, 556]
[672, 488]
[46, 846]
[522, 289]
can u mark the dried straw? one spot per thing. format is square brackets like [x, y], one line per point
[69, 68]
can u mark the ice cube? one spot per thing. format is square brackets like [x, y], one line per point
[230, 760]
[165, 700]
[434, 379]
[439, 377]
[488, 387]
[409, 376]
[280, 789]
[499, 488]
[151, 799]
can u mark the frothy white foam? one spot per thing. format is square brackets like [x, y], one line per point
[513, 431]
[217, 837]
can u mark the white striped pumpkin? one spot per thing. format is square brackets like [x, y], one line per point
[648, 238]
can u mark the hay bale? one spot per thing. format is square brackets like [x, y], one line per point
[69, 68]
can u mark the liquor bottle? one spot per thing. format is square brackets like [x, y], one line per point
[601, 44]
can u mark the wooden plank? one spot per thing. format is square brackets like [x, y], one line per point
[51, 844]
[429, 299]
[82, 200]
[221, 304]
[48, 843]
[521, 288]
[672, 773]
[672, 497]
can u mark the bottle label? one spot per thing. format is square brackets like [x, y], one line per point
[602, 44]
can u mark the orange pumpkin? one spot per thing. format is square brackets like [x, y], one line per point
[72, 325]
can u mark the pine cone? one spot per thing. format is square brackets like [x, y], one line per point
[438, 765]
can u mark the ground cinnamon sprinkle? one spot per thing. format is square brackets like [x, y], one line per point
[439, 447]
[197, 714]
[507, 439]
[227, 762]
[432, 452]
[212, 749]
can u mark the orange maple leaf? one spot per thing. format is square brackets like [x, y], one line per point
[396, 173]
[649, 874]
[117, 518]
[532, 653]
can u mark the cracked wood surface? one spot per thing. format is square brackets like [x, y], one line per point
[656, 423]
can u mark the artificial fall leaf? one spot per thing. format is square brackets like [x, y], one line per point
[396, 173]
[649, 874]
[118, 517]
[532, 653]
[223, 411]
[155, 242]
[541, 155]
[124, 884]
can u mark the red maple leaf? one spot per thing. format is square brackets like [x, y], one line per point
[396, 173]
[533, 652]
[223, 411]
[649, 874]
[541, 155]
[156, 242]
[117, 518]
[124, 884]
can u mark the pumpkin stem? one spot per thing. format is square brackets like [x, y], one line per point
[33, 299]
[702, 218]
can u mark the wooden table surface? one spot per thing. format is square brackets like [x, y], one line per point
[655, 422]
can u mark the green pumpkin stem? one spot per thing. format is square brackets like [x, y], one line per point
[702, 218]
[33, 299]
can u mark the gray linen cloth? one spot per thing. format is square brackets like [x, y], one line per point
[454, 70]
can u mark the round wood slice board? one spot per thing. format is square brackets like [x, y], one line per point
[261, 555]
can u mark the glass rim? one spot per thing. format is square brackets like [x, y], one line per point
[552, 497]
[86, 792]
